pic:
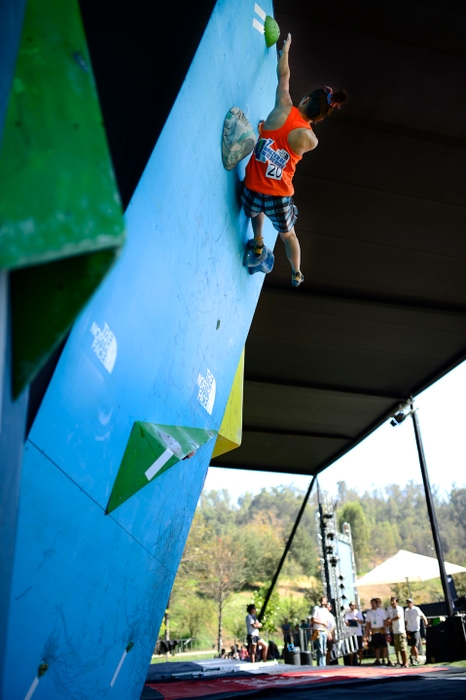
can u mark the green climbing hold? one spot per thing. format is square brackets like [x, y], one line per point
[271, 31]
[42, 669]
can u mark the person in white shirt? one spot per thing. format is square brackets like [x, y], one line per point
[355, 621]
[254, 639]
[376, 619]
[322, 621]
[396, 619]
[413, 616]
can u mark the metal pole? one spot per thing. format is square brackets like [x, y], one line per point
[432, 516]
[409, 587]
[287, 549]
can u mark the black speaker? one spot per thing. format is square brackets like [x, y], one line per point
[459, 636]
[306, 658]
[447, 641]
[292, 657]
[438, 642]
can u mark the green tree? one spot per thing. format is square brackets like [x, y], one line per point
[385, 539]
[294, 608]
[382, 521]
[353, 513]
[263, 543]
[217, 511]
[220, 568]
[345, 494]
[304, 551]
[269, 620]
[313, 595]
[194, 616]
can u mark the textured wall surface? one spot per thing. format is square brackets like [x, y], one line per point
[160, 342]
[60, 203]
[12, 417]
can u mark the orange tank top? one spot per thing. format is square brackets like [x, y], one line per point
[273, 162]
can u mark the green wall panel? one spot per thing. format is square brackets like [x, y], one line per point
[58, 191]
[61, 221]
[151, 450]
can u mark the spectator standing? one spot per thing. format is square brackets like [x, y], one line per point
[413, 617]
[355, 620]
[396, 618]
[376, 619]
[319, 619]
[306, 634]
[254, 639]
[286, 629]
[387, 630]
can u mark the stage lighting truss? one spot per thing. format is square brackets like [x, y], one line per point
[334, 584]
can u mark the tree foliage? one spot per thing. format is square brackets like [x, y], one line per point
[220, 571]
[269, 620]
[353, 513]
[238, 545]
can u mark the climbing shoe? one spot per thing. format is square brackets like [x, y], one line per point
[253, 254]
[257, 246]
[296, 278]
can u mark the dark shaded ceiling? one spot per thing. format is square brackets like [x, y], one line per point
[382, 313]
[141, 51]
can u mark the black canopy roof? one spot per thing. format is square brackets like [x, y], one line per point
[382, 312]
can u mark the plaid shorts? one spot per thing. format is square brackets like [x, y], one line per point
[281, 211]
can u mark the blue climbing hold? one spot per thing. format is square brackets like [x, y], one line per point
[258, 263]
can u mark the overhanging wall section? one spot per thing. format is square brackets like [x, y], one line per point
[159, 343]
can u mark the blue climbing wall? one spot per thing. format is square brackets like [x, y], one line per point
[12, 414]
[160, 342]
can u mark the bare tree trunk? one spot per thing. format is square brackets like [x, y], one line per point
[167, 626]
[220, 620]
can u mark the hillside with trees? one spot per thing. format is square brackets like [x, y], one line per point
[233, 550]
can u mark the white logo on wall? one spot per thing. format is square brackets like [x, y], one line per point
[104, 345]
[207, 388]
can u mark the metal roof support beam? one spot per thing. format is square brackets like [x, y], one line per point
[297, 433]
[326, 387]
[351, 296]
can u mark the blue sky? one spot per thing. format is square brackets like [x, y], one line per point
[388, 455]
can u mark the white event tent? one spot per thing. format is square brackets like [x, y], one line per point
[406, 566]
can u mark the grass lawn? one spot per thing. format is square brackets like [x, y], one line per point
[460, 664]
[211, 655]
[195, 656]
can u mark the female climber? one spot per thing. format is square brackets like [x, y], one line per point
[284, 137]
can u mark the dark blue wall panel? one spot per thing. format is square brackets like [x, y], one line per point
[12, 414]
